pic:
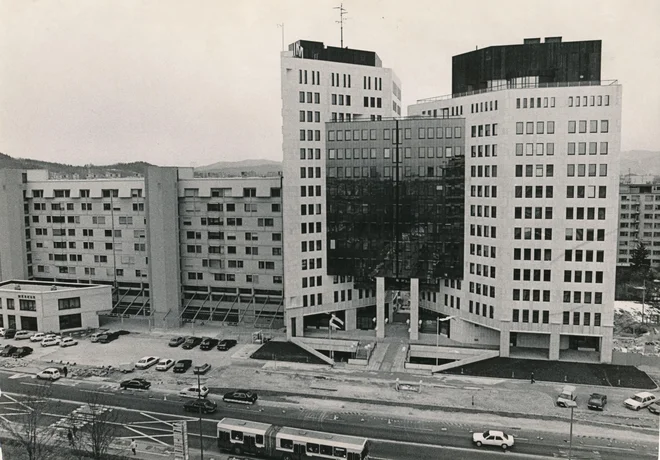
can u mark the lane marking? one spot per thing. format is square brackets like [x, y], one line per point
[157, 419]
[144, 435]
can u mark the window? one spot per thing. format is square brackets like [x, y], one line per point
[571, 127]
[604, 126]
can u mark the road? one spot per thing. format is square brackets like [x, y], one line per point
[148, 416]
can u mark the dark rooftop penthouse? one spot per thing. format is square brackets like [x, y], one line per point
[305, 49]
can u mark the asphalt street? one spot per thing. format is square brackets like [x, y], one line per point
[148, 416]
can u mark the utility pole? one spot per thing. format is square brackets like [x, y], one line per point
[282, 27]
[201, 439]
[342, 12]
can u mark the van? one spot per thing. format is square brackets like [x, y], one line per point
[95, 336]
[567, 396]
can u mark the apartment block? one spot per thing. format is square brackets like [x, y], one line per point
[639, 221]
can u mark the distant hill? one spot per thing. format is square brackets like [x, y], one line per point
[243, 167]
[640, 163]
[137, 168]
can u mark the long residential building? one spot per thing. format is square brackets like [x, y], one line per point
[174, 247]
[639, 221]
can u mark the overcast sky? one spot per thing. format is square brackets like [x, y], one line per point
[177, 82]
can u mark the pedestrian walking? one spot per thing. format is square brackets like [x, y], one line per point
[69, 436]
[75, 429]
[66, 371]
[134, 446]
[531, 378]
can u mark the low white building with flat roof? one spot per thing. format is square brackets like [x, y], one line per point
[56, 307]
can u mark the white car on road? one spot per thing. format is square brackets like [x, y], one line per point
[146, 362]
[52, 373]
[164, 364]
[68, 342]
[38, 337]
[640, 400]
[493, 438]
[194, 392]
[51, 341]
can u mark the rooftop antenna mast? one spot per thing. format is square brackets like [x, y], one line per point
[282, 26]
[342, 12]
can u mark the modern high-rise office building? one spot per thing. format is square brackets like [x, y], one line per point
[541, 145]
[321, 84]
[175, 247]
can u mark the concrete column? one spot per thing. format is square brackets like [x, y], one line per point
[606, 344]
[297, 330]
[350, 323]
[414, 309]
[380, 307]
[555, 338]
[505, 339]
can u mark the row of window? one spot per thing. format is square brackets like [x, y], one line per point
[483, 150]
[487, 231]
[584, 170]
[486, 191]
[315, 74]
[481, 289]
[535, 254]
[309, 300]
[310, 135]
[586, 276]
[593, 101]
[483, 171]
[527, 233]
[535, 170]
[373, 102]
[483, 211]
[310, 190]
[535, 295]
[527, 274]
[309, 97]
[534, 191]
[372, 171]
[586, 318]
[484, 130]
[85, 193]
[542, 127]
[582, 255]
[478, 269]
[483, 309]
[310, 209]
[530, 212]
[230, 277]
[310, 172]
[446, 112]
[386, 153]
[591, 213]
[482, 249]
[335, 81]
[391, 134]
[312, 281]
[575, 126]
[538, 149]
[312, 264]
[311, 246]
[544, 315]
[585, 234]
[534, 103]
[452, 302]
[486, 106]
[249, 236]
[248, 192]
[310, 116]
[583, 297]
[138, 207]
[588, 191]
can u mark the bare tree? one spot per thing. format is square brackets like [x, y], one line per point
[95, 427]
[29, 427]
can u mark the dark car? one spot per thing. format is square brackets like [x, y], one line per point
[203, 369]
[226, 344]
[182, 366]
[208, 343]
[8, 350]
[10, 333]
[191, 342]
[21, 352]
[240, 396]
[597, 401]
[108, 337]
[176, 341]
[655, 408]
[200, 405]
[135, 384]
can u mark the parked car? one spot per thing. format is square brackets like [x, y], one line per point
[95, 336]
[135, 384]
[108, 337]
[493, 438]
[164, 364]
[22, 335]
[126, 368]
[240, 396]
[21, 352]
[194, 392]
[640, 400]
[182, 365]
[226, 344]
[68, 342]
[203, 369]
[51, 341]
[191, 342]
[567, 394]
[146, 362]
[2, 331]
[205, 406]
[208, 343]
[38, 337]
[654, 408]
[8, 350]
[597, 401]
[10, 333]
[51, 373]
[176, 341]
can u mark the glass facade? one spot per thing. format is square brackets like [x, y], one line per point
[395, 198]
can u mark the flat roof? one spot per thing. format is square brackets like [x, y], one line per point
[42, 286]
[237, 423]
[320, 436]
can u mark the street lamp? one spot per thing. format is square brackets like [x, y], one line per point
[438, 320]
[201, 439]
[572, 405]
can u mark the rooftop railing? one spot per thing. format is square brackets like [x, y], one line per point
[561, 84]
